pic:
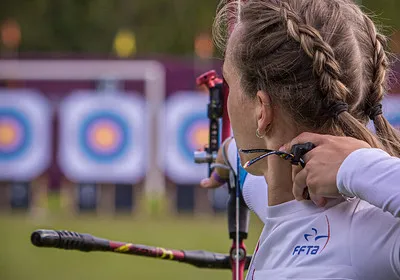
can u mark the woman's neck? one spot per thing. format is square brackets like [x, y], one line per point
[279, 179]
[278, 172]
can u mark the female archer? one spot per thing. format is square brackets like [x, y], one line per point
[319, 66]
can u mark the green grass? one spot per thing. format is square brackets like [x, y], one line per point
[19, 260]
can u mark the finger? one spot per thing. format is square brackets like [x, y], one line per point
[316, 139]
[318, 200]
[312, 154]
[299, 184]
[213, 182]
[295, 170]
[209, 183]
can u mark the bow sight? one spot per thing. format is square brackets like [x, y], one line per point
[214, 113]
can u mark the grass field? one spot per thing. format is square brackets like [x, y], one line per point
[19, 260]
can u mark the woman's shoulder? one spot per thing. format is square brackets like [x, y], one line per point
[358, 217]
[359, 210]
[375, 233]
[378, 219]
[364, 209]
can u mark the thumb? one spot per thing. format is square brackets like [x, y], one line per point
[210, 183]
[285, 148]
[206, 183]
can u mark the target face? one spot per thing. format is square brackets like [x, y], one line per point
[25, 134]
[391, 110]
[185, 127]
[15, 134]
[395, 122]
[193, 134]
[104, 136]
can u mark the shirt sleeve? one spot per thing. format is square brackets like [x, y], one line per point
[254, 188]
[255, 194]
[374, 176]
[375, 243]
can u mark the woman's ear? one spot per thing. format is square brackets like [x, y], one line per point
[264, 112]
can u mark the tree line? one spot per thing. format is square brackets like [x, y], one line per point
[160, 26]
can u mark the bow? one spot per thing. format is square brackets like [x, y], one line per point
[237, 211]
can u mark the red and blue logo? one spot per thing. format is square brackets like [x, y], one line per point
[314, 243]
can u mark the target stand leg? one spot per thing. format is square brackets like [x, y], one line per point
[20, 196]
[219, 199]
[87, 194]
[185, 199]
[4, 196]
[124, 198]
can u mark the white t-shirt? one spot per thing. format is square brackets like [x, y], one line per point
[343, 240]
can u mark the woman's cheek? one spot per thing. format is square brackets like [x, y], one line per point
[233, 112]
[228, 103]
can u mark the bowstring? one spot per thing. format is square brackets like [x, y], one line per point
[238, 184]
[237, 216]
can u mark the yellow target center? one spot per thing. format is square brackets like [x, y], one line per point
[7, 135]
[201, 136]
[104, 137]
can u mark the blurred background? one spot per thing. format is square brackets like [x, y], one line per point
[99, 118]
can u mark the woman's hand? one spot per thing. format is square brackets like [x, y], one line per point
[219, 175]
[322, 164]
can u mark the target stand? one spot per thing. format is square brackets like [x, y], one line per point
[98, 199]
[102, 146]
[15, 196]
[15, 138]
[25, 147]
[185, 126]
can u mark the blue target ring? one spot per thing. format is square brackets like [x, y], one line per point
[16, 134]
[395, 121]
[191, 133]
[104, 136]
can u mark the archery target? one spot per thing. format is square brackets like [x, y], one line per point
[193, 134]
[185, 127]
[102, 137]
[15, 134]
[25, 133]
[391, 110]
